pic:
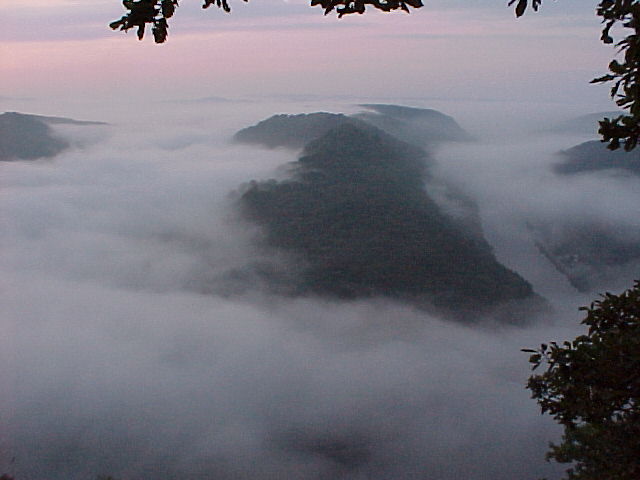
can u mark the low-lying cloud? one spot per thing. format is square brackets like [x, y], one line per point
[115, 363]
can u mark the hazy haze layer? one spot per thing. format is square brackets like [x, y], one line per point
[114, 364]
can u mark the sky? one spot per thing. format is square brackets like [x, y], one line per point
[64, 50]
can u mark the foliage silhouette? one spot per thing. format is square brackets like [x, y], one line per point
[592, 388]
[158, 12]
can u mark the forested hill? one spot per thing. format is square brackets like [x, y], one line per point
[28, 137]
[419, 126]
[292, 131]
[356, 215]
[593, 156]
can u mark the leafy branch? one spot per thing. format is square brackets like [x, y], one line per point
[623, 130]
[591, 386]
[157, 12]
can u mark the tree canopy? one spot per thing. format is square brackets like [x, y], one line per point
[592, 388]
[158, 12]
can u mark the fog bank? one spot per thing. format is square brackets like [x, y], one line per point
[120, 359]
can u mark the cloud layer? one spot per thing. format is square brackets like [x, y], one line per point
[115, 364]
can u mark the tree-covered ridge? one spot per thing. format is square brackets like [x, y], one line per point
[291, 131]
[28, 137]
[356, 214]
[593, 156]
[418, 126]
[25, 138]
[49, 120]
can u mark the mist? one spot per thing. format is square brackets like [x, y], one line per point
[128, 351]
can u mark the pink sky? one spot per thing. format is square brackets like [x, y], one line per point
[63, 48]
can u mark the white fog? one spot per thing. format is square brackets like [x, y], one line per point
[124, 354]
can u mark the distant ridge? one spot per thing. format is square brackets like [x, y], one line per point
[53, 120]
[595, 156]
[29, 137]
[418, 126]
[401, 111]
[209, 99]
[291, 131]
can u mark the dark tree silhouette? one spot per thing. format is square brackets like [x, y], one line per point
[157, 12]
[592, 388]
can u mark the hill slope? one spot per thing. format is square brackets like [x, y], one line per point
[28, 137]
[356, 216]
[594, 156]
[418, 126]
[291, 131]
